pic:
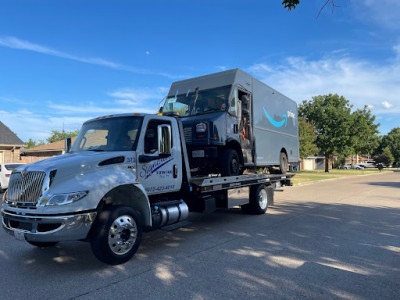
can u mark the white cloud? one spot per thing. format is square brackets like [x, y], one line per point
[386, 104]
[361, 82]
[70, 117]
[15, 43]
[147, 52]
[383, 12]
[140, 95]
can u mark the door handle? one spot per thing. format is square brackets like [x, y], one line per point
[175, 171]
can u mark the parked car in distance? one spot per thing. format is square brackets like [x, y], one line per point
[369, 164]
[358, 167]
[5, 173]
[346, 166]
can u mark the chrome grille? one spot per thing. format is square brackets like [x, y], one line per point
[25, 188]
[188, 133]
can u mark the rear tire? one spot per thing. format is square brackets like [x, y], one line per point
[230, 163]
[283, 163]
[258, 204]
[117, 235]
[43, 244]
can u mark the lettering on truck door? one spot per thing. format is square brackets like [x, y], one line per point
[161, 174]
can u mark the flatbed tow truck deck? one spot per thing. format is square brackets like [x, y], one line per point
[208, 184]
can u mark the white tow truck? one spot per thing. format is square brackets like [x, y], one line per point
[124, 175]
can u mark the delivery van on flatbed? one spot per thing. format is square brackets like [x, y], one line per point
[232, 122]
[124, 175]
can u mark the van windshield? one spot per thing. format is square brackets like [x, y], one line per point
[110, 134]
[193, 102]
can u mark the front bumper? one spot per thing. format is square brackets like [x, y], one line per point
[48, 228]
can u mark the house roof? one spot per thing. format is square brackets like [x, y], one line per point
[9, 138]
[56, 146]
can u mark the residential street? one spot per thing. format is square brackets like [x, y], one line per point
[331, 239]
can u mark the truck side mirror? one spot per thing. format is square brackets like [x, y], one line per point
[67, 144]
[233, 106]
[164, 139]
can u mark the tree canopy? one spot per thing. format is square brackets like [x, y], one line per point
[60, 135]
[307, 138]
[392, 141]
[364, 131]
[385, 158]
[331, 116]
[31, 143]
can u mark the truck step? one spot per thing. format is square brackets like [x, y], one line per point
[176, 226]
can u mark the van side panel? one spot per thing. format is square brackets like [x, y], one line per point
[275, 125]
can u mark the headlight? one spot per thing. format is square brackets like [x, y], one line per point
[62, 199]
[201, 127]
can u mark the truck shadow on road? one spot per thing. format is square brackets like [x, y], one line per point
[388, 184]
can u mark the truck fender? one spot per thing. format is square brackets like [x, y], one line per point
[131, 195]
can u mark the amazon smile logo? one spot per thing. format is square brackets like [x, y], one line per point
[276, 123]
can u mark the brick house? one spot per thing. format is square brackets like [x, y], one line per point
[10, 145]
[43, 151]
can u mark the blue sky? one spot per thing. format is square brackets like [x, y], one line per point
[63, 62]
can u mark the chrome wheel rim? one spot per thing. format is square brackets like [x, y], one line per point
[122, 235]
[263, 199]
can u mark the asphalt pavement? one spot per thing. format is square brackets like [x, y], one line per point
[328, 240]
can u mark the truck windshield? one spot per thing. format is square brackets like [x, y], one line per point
[198, 102]
[110, 134]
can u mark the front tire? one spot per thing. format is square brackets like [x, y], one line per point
[230, 163]
[117, 235]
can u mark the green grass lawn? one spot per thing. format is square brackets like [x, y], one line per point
[309, 176]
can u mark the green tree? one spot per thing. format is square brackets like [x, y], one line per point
[331, 116]
[385, 158]
[392, 141]
[60, 135]
[364, 132]
[30, 144]
[307, 138]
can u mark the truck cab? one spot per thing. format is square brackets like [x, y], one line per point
[117, 168]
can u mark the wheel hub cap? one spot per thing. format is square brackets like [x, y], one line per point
[263, 199]
[122, 235]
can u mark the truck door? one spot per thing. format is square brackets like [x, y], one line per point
[159, 172]
[245, 128]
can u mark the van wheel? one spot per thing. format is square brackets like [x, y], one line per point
[283, 163]
[117, 235]
[43, 244]
[258, 204]
[230, 163]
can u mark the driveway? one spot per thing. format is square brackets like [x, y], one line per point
[332, 239]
